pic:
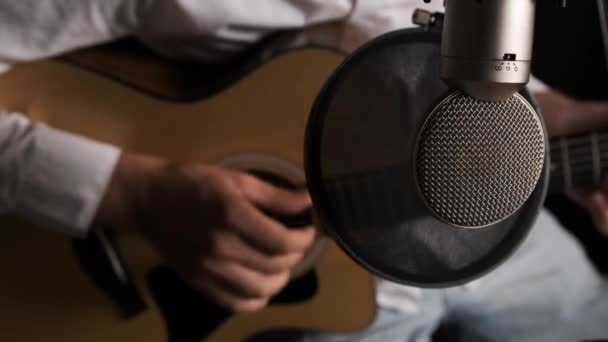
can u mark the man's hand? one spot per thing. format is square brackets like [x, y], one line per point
[208, 224]
[566, 116]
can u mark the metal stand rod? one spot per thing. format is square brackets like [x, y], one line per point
[603, 13]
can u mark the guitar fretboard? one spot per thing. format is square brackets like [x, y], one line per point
[375, 198]
[578, 160]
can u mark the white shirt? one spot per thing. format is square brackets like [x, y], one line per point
[57, 178]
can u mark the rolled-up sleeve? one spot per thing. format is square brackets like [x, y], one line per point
[51, 177]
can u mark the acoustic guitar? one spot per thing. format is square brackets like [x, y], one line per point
[251, 115]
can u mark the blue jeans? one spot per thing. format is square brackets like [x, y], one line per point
[547, 291]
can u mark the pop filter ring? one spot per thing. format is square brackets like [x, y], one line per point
[523, 219]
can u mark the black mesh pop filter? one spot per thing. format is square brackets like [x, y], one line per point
[362, 138]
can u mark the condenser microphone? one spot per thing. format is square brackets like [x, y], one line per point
[486, 49]
[481, 151]
[428, 182]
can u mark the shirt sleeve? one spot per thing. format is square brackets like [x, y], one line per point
[33, 29]
[51, 177]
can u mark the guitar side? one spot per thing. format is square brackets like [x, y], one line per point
[47, 297]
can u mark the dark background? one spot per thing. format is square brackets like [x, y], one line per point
[569, 56]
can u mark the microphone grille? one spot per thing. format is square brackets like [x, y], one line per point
[477, 162]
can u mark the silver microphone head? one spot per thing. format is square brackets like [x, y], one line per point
[478, 162]
[486, 49]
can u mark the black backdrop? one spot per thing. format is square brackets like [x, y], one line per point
[568, 51]
[569, 56]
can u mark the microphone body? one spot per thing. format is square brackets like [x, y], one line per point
[486, 49]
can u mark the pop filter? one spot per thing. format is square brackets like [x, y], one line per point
[419, 183]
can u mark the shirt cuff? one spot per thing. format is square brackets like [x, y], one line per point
[63, 179]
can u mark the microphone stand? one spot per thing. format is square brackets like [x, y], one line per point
[603, 14]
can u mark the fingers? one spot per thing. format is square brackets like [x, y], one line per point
[239, 277]
[599, 211]
[230, 301]
[229, 246]
[239, 288]
[266, 234]
[244, 282]
[273, 198]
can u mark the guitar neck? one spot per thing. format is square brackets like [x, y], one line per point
[578, 160]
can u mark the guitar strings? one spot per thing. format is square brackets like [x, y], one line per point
[580, 157]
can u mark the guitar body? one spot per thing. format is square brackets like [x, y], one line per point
[261, 119]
